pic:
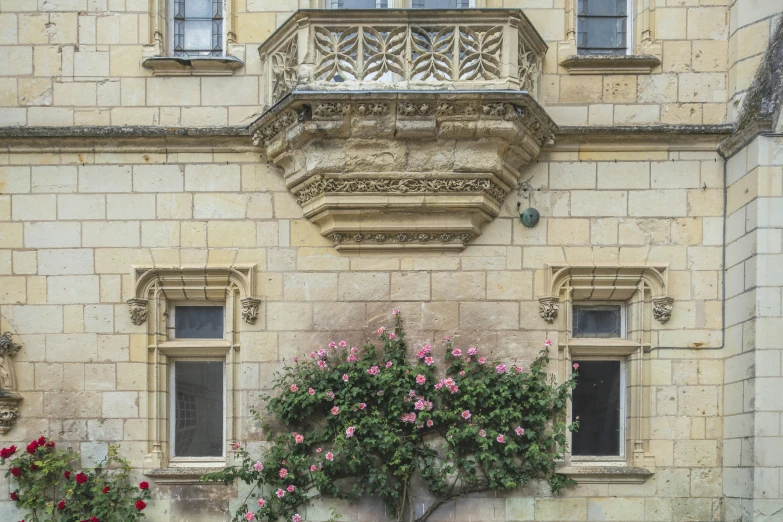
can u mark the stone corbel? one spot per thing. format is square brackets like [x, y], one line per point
[9, 399]
[548, 308]
[250, 309]
[138, 310]
[662, 308]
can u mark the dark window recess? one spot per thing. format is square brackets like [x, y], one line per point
[359, 4]
[596, 402]
[602, 27]
[198, 28]
[198, 322]
[440, 4]
[198, 429]
[597, 322]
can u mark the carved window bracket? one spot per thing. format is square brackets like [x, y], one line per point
[9, 398]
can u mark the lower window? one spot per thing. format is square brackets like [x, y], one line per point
[599, 405]
[198, 406]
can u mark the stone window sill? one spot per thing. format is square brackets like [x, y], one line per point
[606, 474]
[629, 64]
[171, 66]
[182, 475]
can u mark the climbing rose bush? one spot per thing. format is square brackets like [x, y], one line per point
[50, 489]
[356, 422]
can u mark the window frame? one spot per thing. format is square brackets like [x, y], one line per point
[603, 460]
[629, 34]
[595, 304]
[184, 462]
[171, 329]
[171, 32]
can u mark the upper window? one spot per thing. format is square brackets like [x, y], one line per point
[441, 4]
[198, 322]
[602, 27]
[597, 322]
[358, 4]
[415, 4]
[198, 28]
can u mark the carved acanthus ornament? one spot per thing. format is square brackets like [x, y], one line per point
[662, 308]
[137, 308]
[250, 309]
[406, 131]
[548, 308]
[9, 399]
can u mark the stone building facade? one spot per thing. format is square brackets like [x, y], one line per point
[312, 184]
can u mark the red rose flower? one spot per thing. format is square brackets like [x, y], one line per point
[140, 504]
[93, 519]
[81, 478]
[106, 489]
[33, 467]
[61, 505]
[67, 475]
[41, 441]
[32, 447]
[16, 471]
[7, 452]
[14, 496]
[144, 485]
[50, 444]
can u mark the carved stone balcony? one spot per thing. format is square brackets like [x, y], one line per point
[402, 128]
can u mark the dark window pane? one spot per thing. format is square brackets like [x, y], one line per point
[198, 429]
[596, 401]
[596, 322]
[601, 7]
[359, 4]
[198, 322]
[437, 4]
[601, 26]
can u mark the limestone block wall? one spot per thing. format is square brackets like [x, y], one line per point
[752, 23]
[753, 380]
[72, 223]
[78, 62]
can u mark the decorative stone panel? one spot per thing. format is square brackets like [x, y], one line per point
[9, 399]
[406, 129]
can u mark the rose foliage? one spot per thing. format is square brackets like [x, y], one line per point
[45, 484]
[368, 422]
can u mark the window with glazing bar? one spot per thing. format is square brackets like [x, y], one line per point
[358, 4]
[440, 4]
[198, 28]
[602, 27]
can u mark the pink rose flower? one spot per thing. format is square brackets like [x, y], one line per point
[311, 391]
[330, 395]
[373, 371]
[332, 344]
[294, 388]
[501, 439]
[345, 377]
[576, 366]
[388, 364]
[299, 438]
[362, 405]
[472, 351]
[258, 466]
[448, 338]
[342, 344]
[482, 433]
[466, 414]
[430, 423]
[395, 312]
[482, 360]
[429, 361]
[381, 330]
[290, 488]
[456, 352]
[500, 368]
[249, 516]
[318, 450]
[296, 518]
[419, 405]
[392, 335]
[420, 379]
[335, 410]
[280, 493]
[313, 468]
[235, 446]
[329, 455]
[519, 431]
[548, 343]
[261, 502]
[349, 431]
[462, 373]
[283, 473]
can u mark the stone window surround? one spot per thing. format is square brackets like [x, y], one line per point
[642, 289]
[393, 4]
[157, 53]
[155, 290]
[644, 53]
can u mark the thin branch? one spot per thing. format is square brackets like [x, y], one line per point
[435, 505]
